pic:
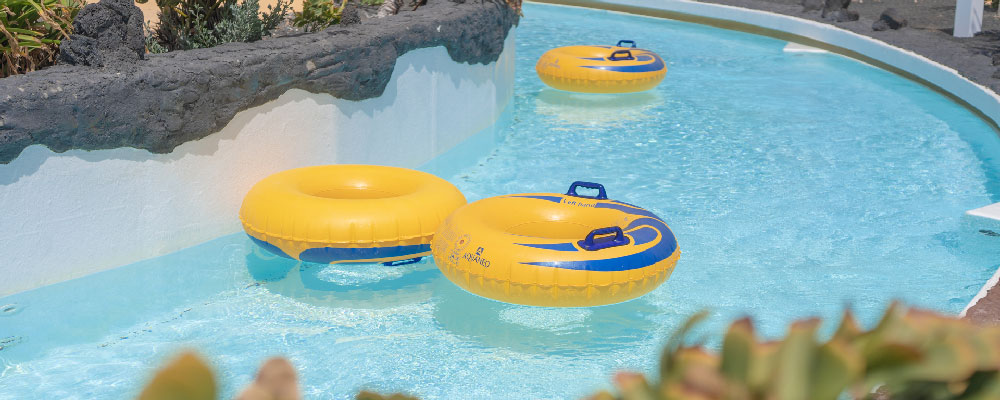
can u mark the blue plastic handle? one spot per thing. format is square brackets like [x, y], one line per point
[614, 56]
[591, 243]
[402, 262]
[601, 194]
[632, 42]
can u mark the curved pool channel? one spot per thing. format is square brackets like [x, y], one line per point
[797, 185]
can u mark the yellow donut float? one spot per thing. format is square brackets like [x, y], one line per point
[348, 213]
[555, 250]
[601, 69]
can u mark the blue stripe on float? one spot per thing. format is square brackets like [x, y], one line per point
[554, 199]
[648, 228]
[640, 237]
[270, 247]
[656, 65]
[551, 246]
[649, 224]
[327, 255]
[639, 260]
[592, 58]
[627, 204]
[651, 220]
[628, 209]
[658, 252]
[644, 235]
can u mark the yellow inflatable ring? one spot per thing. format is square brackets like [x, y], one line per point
[555, 250]
[348, 213]
[601, 69]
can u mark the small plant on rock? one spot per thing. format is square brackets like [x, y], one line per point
[30, 32]
[317, 15]
[194, 24]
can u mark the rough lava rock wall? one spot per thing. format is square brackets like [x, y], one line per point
[173, 98]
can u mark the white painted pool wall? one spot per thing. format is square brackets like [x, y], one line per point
[978, 96]
[71, 214]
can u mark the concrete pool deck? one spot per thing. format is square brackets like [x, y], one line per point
[928, 31]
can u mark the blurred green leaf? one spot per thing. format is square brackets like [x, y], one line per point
[366, 395]
[794, 361]
[982, 385]
[738, 350]
[187, 377]
[836, 367]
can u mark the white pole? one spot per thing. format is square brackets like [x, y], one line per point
[968, 17]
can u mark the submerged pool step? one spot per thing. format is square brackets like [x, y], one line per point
[793, 47]
[991, 211]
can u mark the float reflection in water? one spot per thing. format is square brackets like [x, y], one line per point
[596, 110]
[370, 285]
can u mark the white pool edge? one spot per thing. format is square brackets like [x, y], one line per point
[992, 282]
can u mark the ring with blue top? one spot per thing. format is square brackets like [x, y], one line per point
[623, 68]
[576, 249]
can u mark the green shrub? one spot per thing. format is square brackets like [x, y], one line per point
[195, 24]
[30, 32]
[316, 15]
[152, 45]
[240, 23]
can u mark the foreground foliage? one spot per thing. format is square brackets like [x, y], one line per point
[910, 354]
[195, 24]
[30, 32]
[188, 377]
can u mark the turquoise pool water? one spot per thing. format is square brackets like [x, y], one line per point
[796, 185]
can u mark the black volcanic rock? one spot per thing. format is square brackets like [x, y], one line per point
[105, 34]
[890, 19]
[350, 15]
[832, 6]
[843, 15]
[812, 5]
